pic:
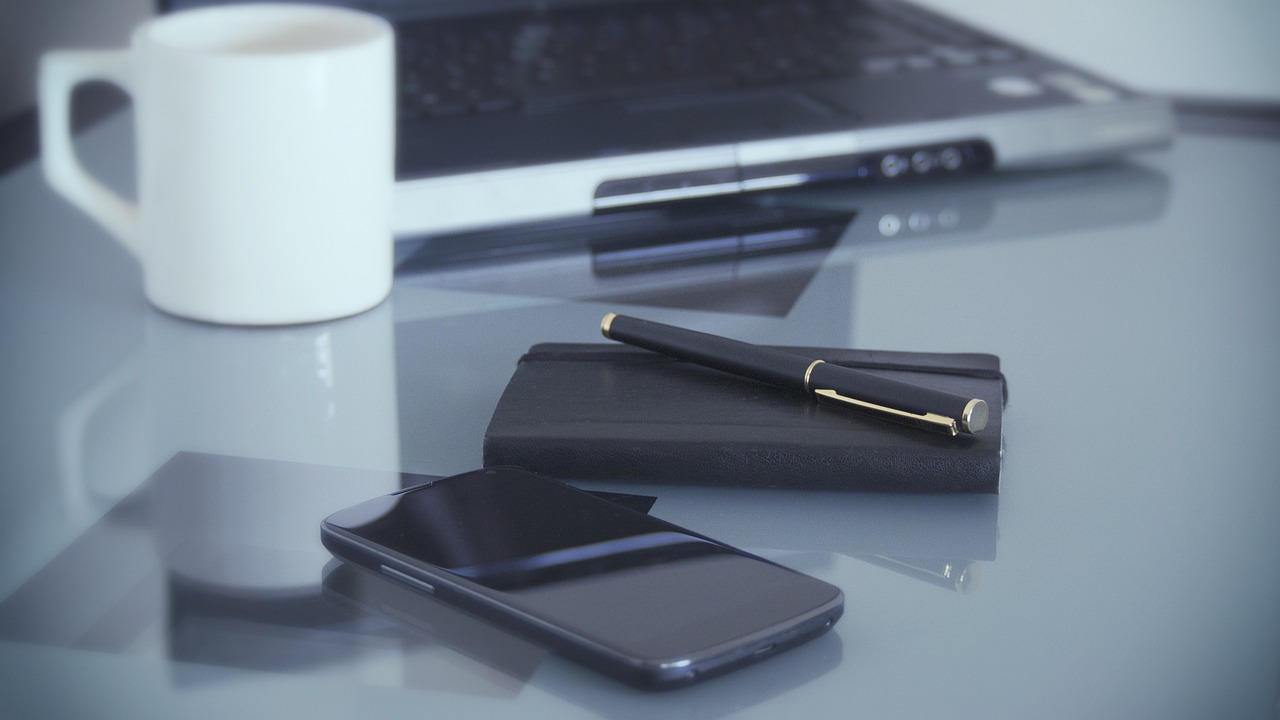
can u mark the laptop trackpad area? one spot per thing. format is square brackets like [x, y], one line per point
[707, 117]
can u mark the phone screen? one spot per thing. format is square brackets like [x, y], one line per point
[590, 575]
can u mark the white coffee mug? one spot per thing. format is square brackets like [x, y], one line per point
[266, 145]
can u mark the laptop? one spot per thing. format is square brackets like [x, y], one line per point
[517, 111]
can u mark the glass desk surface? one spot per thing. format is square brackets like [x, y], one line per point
[1130, 566]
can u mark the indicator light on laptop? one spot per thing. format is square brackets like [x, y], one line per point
[893, 165]
[951, 158]
[889, 225]
[922, 161]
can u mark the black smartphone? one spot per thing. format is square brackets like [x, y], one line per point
[636, 598]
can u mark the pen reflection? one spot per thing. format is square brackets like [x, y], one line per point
[962, 576]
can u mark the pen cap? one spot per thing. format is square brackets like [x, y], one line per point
[969, 414]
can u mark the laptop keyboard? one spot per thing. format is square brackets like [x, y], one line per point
[574, 56]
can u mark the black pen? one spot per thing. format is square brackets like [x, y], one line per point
[901, 402]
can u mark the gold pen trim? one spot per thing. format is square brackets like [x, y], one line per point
[924, 421]
[606, 322]
[809, 371]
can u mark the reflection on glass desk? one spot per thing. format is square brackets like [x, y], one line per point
[1127, 568]
[732, 255]
[758, 253]
[216, 561]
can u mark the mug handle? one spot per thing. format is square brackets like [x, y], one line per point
[60, 72]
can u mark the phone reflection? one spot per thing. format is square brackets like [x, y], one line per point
[504, 532]
[939, 539]
[586, 561]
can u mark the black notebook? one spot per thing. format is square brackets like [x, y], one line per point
[605, 412]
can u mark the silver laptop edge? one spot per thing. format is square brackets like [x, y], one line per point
[1034, 138]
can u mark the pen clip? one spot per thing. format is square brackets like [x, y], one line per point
[924, 421]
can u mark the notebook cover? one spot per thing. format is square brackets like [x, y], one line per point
[606, 412]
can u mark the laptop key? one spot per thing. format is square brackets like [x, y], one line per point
[564, 57]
